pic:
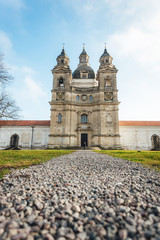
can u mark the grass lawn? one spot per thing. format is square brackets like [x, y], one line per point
[24, 158]
[149, 158]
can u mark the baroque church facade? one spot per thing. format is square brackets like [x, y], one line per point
[84, 112]
[84, 106]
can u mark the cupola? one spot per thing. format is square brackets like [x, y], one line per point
[83, 58]
[84, 70]
[63, 59]
[105, 58]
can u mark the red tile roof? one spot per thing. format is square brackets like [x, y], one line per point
[47, 123]
[24, 123]
[139, 123]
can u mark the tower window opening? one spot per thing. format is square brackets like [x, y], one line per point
[83, 59]
[62, 61]
[84, 75]
[59, 118]
[77, 97]
[61, 83]
[107, 85]
[84, 118]
[108, 82]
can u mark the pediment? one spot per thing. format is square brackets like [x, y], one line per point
[108, 69]
[61, 69]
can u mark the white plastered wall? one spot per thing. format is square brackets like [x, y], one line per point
[138, 137]
[132, 137]
[29, 137]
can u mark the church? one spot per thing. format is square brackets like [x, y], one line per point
[84, 113]
[84, 108]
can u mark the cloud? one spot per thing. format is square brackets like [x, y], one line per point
[29, 93]
[140, 41]
[5, 43]
[16, 4]
[33, 89]
[28, 70]
[26, 87]
[86, 8]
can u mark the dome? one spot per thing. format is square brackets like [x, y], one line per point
[84, 68]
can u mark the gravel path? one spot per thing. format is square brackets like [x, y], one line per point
[84, 195]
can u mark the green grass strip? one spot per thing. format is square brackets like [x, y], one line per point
[24, 158]
[148, 158]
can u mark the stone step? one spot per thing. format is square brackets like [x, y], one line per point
[93, 148]
[90, 148]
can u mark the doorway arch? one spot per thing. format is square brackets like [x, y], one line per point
[14, 141]
[155, 142]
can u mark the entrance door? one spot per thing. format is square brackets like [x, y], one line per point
[84, 139]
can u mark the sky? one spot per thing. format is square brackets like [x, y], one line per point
[32, 33]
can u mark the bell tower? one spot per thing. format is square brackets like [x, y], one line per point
[60, 112]
[106, 76]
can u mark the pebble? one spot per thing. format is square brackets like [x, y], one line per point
[76, 208]
[19, 236]
[120, 201]
[82, 196]
[82, 236]
[29, 237]
[38, 204]
[122, 234]
[49, 237]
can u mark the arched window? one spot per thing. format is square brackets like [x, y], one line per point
[14, 140]
[155, 142]
[91, 98]
[61, 83]
[84, 118]
[77, 97]
[59, 118]
[108, 82]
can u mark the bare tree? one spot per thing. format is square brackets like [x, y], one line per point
[5, 77]
[8, 108]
